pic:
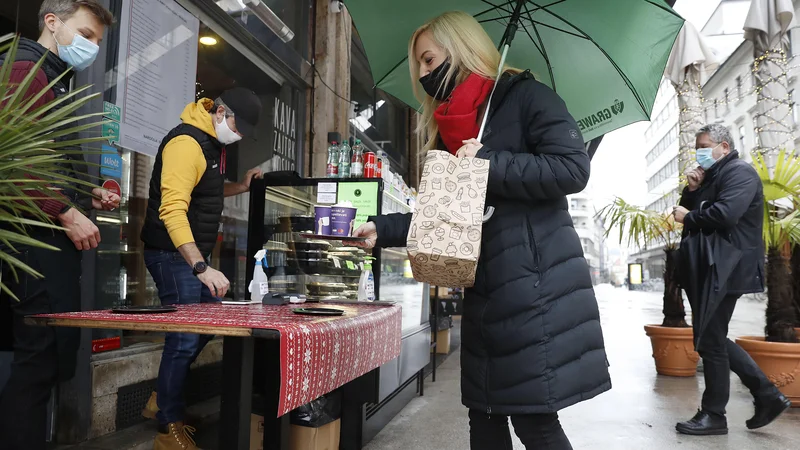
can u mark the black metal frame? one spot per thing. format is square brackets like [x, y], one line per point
[256, 233]
[435, 315]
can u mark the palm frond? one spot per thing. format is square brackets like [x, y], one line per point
[781, 232]
[781, 182]
[35, 143]
[640, 225]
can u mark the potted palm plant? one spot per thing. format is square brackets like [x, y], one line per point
[777, 352]
[673, 345]
[31, 150]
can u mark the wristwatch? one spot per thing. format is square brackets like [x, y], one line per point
[199, 267]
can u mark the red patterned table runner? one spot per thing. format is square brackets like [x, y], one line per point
[318, 354]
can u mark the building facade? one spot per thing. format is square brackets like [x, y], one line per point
[730, 99]
[591, 233]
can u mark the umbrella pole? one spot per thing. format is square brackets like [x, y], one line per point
[513, 25]
[505, 44]
[499, 74]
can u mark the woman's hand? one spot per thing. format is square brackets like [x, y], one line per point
[469, 149]
[368, 231]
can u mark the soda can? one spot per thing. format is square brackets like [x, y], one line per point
[370, 166]
[379, 169]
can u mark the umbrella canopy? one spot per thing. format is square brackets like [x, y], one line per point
[706, 263]
[689, 65]
[605, 59]
[766, 26]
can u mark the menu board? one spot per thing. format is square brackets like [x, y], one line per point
[362, 195]
[157, 70]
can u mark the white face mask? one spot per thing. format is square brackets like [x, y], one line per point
[225, 135]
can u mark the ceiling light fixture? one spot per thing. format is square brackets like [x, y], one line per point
[208, 40]
[270, 19]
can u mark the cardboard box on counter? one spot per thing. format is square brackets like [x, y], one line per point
[325, 437]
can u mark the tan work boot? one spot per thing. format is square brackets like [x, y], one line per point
[177, 437]
[151, 408]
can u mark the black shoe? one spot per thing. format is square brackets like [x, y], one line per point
[768, 410]
[704, 424]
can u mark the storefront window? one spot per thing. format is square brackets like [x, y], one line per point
[20, 17]
[380, 120]
[144, 52]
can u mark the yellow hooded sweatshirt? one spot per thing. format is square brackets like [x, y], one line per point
[183, 164]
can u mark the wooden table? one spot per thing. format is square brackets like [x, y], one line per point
[304, 357]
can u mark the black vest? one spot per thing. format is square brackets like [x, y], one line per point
[205, 208]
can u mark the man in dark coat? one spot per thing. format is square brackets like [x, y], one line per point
[532, 341]
[70, 33]
[725, 196]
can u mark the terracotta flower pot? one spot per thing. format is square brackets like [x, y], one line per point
[673, 350]
[780, 362]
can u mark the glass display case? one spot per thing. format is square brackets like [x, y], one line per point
[282, 218]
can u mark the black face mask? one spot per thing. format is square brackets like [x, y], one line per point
[433, 82]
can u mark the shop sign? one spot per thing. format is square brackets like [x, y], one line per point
[112, 111]
[284, 136]
[362, 195]
[111, 132]
[110, 162]
[112, 186]
[635, 274]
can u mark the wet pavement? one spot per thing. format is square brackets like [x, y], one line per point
[639, 413]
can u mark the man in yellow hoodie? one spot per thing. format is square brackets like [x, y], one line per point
[187, 190]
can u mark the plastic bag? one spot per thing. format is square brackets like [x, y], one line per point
[319, 412]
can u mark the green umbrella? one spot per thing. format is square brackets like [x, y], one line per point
[604, 58]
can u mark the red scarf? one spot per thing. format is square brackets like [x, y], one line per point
[458, 117]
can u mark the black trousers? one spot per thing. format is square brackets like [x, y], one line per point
[721, 356]
[39, 352]
[536, 431]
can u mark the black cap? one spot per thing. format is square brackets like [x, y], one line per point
[246, 108]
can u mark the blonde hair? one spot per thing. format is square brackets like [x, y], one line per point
[469, 49]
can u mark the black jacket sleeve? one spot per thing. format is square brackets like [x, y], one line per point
[688, 199]
[738, 187]
[392, 229]
[556, 163]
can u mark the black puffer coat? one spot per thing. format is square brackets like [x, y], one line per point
[531, 336]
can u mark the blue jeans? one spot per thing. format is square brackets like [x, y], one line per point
[176, 285]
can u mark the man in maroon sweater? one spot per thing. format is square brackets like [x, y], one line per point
[71, 31]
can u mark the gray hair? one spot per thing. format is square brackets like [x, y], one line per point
[718, 134]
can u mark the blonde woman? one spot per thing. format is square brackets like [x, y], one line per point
[532, 342]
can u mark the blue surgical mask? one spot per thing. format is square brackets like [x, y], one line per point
[705, 157]
[79, 54]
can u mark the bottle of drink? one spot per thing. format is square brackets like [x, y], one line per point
[332, 170]
[344, 160]
[357, 161]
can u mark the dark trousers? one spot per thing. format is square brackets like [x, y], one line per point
[536, 431]
[176, 285]
[42, 355]
[721, 356]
